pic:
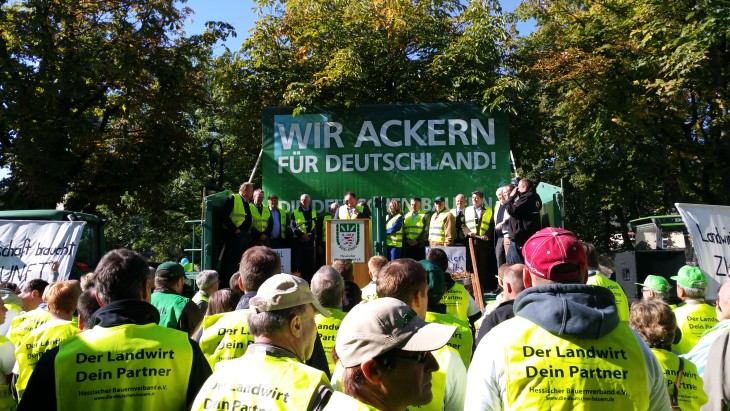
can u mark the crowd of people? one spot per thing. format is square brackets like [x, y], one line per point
[561, 334]
[501, 230]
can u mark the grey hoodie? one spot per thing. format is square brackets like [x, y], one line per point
[578, 310]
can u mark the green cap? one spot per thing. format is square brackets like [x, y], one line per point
[170, 269]
[690, 277]
[656, 282]
[436, 280]
[439, 199]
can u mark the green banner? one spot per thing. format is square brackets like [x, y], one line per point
[394, 151]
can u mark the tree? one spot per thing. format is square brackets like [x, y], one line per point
[97, 100]
[632, 100]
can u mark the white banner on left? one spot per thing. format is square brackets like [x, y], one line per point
[709, 227]
[27, 249]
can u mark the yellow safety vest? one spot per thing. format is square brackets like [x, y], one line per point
[344, 215]
[436, 230]
[622, 303]
[327, 328]
[199, 297]
[130, 367]
[463, 338]
[259, 221]
[260, 381]
[413, 229]
[456, 300]
[23, 324]
[369, 292]
[343, 402]
[36, 343]
[693, 320]
[395, 239]
[7, 402]
[471, 220]
[546, 372]
[691, 394]
[300, 221]
[225, 336]
[238, 214]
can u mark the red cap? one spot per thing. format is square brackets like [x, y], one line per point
[551, 247]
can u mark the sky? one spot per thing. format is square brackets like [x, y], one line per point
[239, 14]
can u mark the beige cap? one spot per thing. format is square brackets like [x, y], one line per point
[283, 291]
[381, 325]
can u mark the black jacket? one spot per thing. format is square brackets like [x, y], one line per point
[524, 216]
[40, 394]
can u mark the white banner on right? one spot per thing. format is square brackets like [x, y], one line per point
[709, 227]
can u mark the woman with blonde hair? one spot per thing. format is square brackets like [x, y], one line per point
[655, 322]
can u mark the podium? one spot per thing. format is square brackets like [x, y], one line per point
[351, 240]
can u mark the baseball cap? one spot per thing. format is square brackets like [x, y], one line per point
[690, 277]
[552, 247]
[283, 291]
[378, 326]
[439, 199]
[436, 279]
[656, 282]
[170, 269]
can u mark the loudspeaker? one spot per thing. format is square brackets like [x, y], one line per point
[633, 266]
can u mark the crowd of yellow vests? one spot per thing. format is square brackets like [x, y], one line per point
[225, 336]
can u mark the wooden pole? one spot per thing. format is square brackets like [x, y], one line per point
[476, 286]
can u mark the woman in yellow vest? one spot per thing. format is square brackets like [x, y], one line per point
[7, 360]
[394, 231]
[62, 298]
[655, 322]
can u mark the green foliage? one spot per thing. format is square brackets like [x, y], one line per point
[97, 99]
[633, 100]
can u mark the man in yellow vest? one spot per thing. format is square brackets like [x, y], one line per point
[272, 373]
[208, 283]
[694, 316]
[406, 280]
[655, 287]
[237, 220]
[61, 297]
[303, 226]
[36, 311]
[126, 361]
[386, 349]
[595, 277]
[260, 216]
[415, 231]
[329, 290]
[699, 354]
[350, 210]
[479, 228]
[566, 347]
[441, 228]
